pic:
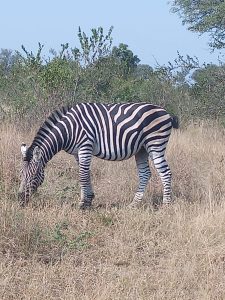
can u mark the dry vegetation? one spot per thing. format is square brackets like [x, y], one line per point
[51, 250]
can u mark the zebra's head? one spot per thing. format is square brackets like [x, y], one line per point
[32, 173]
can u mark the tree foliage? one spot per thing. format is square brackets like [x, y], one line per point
[125, 57]
[94, 47]
[203, 16]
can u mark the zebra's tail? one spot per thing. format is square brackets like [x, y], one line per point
[175, 122]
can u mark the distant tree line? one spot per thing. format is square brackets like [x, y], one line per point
[32, 85]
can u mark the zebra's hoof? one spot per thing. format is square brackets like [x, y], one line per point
[84, 206]
[166, 204]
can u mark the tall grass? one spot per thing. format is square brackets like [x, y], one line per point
[51, 250]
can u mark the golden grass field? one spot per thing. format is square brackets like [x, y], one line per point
[51, 250]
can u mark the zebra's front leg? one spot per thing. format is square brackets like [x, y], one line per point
[144, 175]
[87, 194]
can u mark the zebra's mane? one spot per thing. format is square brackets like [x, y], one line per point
[54, 117]
[51, 120]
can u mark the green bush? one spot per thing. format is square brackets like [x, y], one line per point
[31, 86]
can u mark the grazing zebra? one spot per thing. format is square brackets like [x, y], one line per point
[111, 132]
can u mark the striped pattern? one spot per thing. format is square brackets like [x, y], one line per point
[32, 174]
[111, 132]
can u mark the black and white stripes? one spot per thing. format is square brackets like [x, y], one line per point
[111, 132]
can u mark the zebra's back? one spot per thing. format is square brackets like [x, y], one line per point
[120, 130]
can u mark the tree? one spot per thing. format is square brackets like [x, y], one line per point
[208, 90]
[203, 16]
[143, 71]
[94, 47]
[8, 59]
[125, 57]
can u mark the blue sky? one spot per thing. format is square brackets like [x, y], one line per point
[148, 27]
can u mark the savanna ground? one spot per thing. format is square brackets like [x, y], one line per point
[51, 250]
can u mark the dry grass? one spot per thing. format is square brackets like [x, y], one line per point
[51, 250]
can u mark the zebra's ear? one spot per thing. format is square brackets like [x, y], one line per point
[24, 150]
[37, 154]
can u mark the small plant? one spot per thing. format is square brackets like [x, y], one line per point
[106, 220]
[80, 242]
[58, 234]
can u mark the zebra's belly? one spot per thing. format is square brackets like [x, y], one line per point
[119, 154]
[113, 158]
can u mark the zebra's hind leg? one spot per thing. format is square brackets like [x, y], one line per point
[164, 172]
[87, 194]
[144, 175]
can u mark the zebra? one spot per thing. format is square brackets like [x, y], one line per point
[111, 132]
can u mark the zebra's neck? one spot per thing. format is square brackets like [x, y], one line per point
[52, 136]
[48, 148]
